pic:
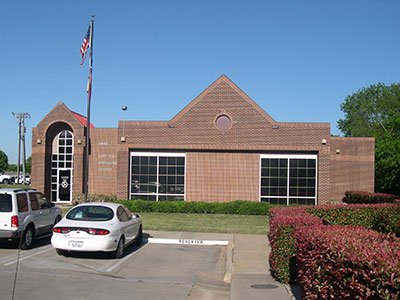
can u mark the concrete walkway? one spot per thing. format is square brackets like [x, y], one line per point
[250, 277]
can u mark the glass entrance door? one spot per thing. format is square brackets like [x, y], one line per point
[64, 190]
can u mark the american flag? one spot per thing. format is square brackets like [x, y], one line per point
[85, 45]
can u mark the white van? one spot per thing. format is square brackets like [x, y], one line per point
[26, 215]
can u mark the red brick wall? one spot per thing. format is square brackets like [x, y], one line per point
[222, 176]
[222, 165]
[103, 161]
[59, 118]
[352, 168]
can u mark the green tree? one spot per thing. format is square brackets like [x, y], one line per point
[375, 112]
[3, 160]
[12, 168]
[28, 164]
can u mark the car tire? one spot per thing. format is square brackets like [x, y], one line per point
[120, 249]
[60, 252]
[6, 181]
[139, 238]
[27, 238]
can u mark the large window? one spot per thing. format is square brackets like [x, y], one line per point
[157, 176]
[289, 179]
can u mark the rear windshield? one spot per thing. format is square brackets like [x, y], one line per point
[90, 213]
[5, 203]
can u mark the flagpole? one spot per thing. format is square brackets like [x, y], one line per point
[89, 96]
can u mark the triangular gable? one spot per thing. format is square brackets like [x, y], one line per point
[59, 113]
[223, 79]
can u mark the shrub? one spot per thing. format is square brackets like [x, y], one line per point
[283, 221]
[358, 197]
[384, 218]
[343, 262]
[80, 198]
[235, 207]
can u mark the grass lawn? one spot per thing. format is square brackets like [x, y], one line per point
[205, 223]
[15, 186]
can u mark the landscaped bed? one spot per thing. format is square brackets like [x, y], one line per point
[336, 252]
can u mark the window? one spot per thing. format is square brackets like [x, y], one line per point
[122, 215]
[91, 213]
[35, 204]
[288, 179]
[22, 202]
[5, 203]
[157, 176]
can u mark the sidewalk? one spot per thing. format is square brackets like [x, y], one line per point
[250, 277]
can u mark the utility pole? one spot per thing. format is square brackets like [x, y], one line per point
[20, 117]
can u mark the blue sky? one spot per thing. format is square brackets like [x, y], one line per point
[298, 59]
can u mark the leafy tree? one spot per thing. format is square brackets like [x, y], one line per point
[12, 168]
[28, 165]
[375, 112]
[3, 160]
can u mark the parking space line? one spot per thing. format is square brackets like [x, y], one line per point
[121, 261]
[29, 256]
[194, 242]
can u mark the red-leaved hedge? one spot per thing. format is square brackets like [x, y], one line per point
[345, 262]
[332, 261]
[283, 221]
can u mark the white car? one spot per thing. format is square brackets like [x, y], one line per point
[92, 227]
[21, 179]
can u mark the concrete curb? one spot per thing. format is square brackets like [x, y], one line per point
[229, 268]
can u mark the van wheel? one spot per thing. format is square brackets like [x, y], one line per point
[27, 239]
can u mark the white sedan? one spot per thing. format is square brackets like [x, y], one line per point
[107, 227]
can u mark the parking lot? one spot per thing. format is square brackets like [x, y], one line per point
[165, 266]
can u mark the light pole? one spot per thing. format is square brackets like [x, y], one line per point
[124, 108]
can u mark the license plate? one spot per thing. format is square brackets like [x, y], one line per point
[75, 244]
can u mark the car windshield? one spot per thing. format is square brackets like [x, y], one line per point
[5, 203]
[90, 213]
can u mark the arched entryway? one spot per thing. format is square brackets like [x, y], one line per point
[60, 169]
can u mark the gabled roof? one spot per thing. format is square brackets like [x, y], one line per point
[224, 79]
[223, 117]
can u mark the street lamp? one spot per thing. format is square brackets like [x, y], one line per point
[123, 139]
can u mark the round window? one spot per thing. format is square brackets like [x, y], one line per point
[223, 122]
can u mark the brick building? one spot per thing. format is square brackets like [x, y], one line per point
[220, 147]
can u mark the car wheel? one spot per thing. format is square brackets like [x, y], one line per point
[5, 181]
[120, 249]
[27, 238]
[60, 252]
[139, 238]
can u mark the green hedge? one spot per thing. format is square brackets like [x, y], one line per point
[359, 197]
[235, 207]
[384, 218]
